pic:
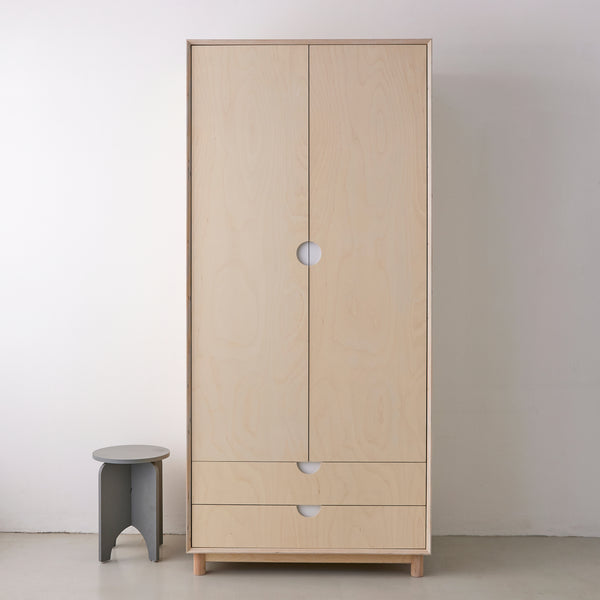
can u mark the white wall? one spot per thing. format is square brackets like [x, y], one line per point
[92, 247]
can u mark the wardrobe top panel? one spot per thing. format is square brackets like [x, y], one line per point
[425, 41]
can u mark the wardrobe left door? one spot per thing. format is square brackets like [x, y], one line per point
[249, 214]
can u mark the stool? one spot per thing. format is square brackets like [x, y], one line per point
[130, 493]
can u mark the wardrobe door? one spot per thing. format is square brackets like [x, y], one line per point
[368, 212]
[249, 213]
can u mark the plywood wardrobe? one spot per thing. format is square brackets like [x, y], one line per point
[309, 384]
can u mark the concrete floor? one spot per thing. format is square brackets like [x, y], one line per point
[65, 566]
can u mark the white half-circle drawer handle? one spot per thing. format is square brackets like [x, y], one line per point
[308, 510]
[309, 253]
[309, 467]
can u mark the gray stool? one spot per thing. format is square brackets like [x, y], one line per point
[130, 493]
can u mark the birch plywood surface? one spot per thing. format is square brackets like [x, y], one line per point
[284, 483]
[368, 294]
[359, 527]
[249, 213]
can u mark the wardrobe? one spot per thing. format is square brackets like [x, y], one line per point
[309, 301]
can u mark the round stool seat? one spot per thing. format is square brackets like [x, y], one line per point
[131, 454]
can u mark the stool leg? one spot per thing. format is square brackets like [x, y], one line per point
[144, 505]
[114, 506]
[160, 502]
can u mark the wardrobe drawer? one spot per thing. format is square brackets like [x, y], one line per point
[285, 483]
[334, 527]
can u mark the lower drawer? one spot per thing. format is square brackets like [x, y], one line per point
[334, 527]
[284, 483]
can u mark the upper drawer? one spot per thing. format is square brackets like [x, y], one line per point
[284, 483]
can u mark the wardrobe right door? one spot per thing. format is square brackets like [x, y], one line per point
[368, 213]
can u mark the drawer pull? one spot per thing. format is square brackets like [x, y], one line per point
[309, 467]
[308, 510]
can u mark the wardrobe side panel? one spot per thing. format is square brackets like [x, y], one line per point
[368, 293]
[249, 213]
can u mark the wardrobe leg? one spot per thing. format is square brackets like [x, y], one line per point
[199, 564]
[416, 566]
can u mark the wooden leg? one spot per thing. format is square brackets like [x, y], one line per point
[416, 566]
[199, 564]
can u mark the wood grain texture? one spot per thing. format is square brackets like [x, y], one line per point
[308, 554]
[416, 566]
[286, 557]
[358, 527]
[284, 483]
[368, 294]
[249, 213]
[188, 307]
[312, 551]
[312, 42]
[199, 564]
[429, 281]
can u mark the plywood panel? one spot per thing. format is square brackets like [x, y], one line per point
[284, 483]
[360, 527]
[285, 557]
[249, 212]
[316, 41]
[368, 293]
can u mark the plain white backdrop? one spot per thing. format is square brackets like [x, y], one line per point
[92, 247]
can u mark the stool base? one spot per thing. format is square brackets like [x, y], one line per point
[130, 495]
